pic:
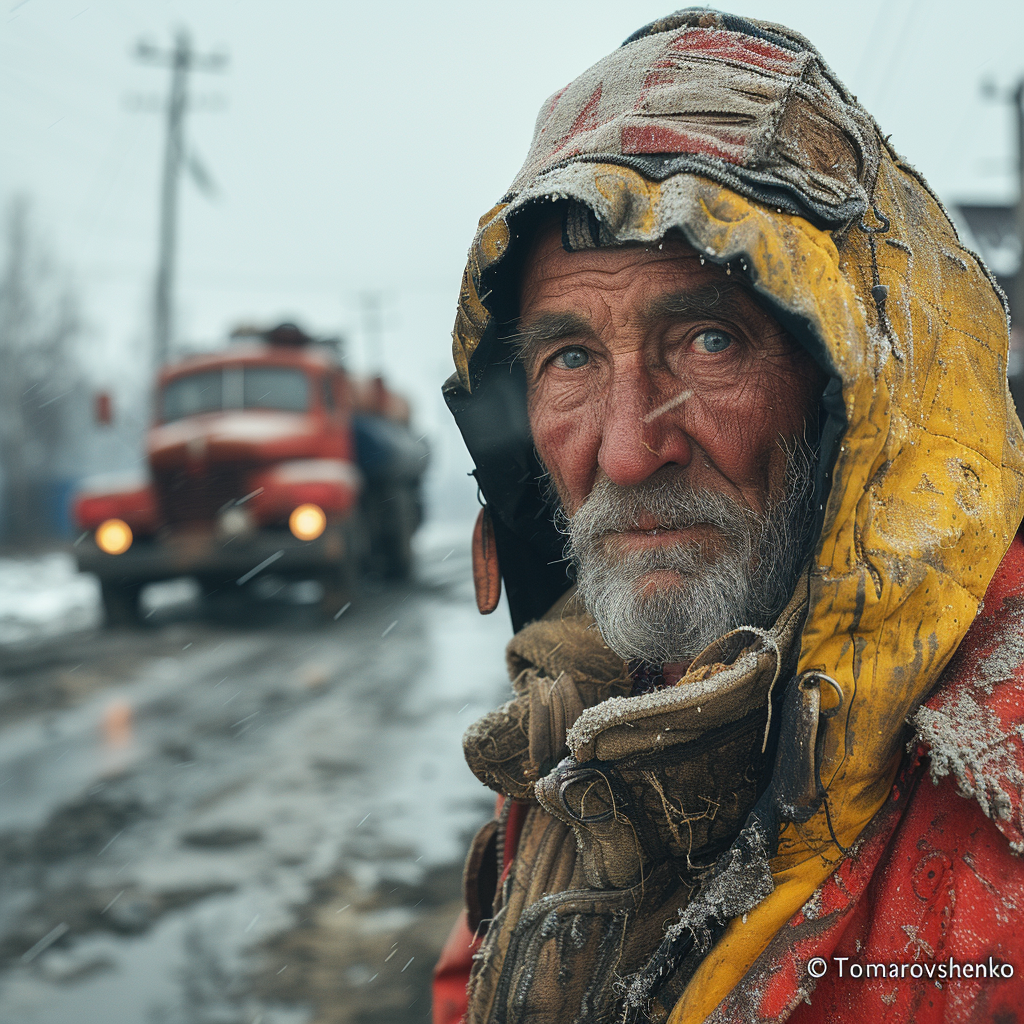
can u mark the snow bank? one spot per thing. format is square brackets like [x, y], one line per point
[45, 596]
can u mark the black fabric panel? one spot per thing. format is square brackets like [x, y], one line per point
[494, 425]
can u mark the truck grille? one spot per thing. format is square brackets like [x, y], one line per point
[197, 498]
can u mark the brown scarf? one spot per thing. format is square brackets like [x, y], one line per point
[633, 798]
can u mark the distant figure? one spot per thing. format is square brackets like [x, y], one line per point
[737, 400]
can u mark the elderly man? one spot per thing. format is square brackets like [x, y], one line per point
[737, 400]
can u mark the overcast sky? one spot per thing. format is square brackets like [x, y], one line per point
[355, 145]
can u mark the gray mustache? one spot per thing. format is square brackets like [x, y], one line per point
[670, 501]
[746, 581]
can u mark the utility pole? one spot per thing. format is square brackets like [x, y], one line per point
[181, 60]
[1018, 291]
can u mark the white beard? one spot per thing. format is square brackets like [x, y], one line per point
[746, 581]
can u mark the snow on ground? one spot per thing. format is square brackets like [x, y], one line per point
[45, 596]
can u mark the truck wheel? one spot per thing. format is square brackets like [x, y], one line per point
[394, 540]
[120, 602]
[339, 586]
[398, 556]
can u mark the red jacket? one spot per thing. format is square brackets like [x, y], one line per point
[925, 922]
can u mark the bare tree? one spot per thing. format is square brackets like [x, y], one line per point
[40, 373]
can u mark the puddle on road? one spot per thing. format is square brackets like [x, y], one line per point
[354, 957]
[363, 958]
[333, 780]
[177, 973]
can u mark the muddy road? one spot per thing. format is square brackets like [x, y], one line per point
[250, 817]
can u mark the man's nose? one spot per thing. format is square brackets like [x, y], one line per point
[642, 429]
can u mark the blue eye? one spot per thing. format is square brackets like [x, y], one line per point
[572, 358]
[712, 341]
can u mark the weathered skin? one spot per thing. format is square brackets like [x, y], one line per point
[678, 369]
[624, 312]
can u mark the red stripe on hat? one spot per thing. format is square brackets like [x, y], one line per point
[734, 46]
[659, 138]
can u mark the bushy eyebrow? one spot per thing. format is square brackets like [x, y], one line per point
[543, 329]
[722, 300]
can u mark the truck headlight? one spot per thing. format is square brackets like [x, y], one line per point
[307, 522]
[114, 536]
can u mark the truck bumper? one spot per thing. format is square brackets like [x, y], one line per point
[205, 555]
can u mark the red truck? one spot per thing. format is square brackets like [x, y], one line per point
[265, 457]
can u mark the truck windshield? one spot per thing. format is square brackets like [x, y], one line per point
[191, 395]
[246, 387]
[275, 387]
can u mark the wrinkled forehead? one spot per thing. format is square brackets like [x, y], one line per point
[623, 279]
[553, 273]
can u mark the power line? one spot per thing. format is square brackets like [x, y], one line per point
[181, 60]
[1018, 109]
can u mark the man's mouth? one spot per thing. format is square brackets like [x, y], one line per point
[646, 523]
[646, 534]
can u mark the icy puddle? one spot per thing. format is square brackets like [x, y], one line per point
[266, 825]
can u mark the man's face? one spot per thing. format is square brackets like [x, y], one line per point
[657, 384]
